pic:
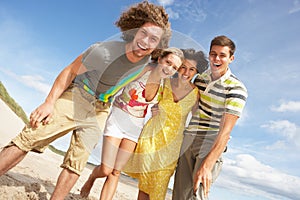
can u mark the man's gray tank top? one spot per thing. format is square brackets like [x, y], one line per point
[106, 65]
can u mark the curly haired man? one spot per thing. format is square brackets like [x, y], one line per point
[80, 97]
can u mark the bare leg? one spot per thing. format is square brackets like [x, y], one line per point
[143, 196]
[110, 186]
[65, 182]
[109, 153]
[10, 157]
[86, 188]
[99, 171]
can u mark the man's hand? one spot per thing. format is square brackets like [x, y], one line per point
[203, 176]
[43, 113]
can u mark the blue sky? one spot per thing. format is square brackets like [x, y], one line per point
[39, 38]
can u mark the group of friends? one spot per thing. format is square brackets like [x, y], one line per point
[106, 91]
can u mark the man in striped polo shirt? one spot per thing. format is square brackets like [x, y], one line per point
[222, 99]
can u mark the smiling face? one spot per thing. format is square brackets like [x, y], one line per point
[187, 70]
[168, 65]
[219, 58]
[146, 40]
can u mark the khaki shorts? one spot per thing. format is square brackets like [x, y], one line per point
[75, 111]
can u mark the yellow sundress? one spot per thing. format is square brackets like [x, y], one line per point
[154, 159]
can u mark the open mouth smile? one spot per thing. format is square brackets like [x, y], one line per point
[217, 65]
[142, 47]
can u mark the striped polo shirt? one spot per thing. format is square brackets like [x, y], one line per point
[224, 95]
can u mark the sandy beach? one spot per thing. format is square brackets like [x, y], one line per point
[35, 177]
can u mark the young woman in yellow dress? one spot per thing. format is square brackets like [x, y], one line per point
[157, 151]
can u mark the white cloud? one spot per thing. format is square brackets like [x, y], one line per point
[290, 106]
[280, 144]
[165, 2]
[193, 10]
[288, 131]
[247, 175]
[244, 117]
[247, 56]
[190, 9]
[296, 7]
[172, 14]
[27, 67]
[36, 82]
[282, 127]
[22, 59]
